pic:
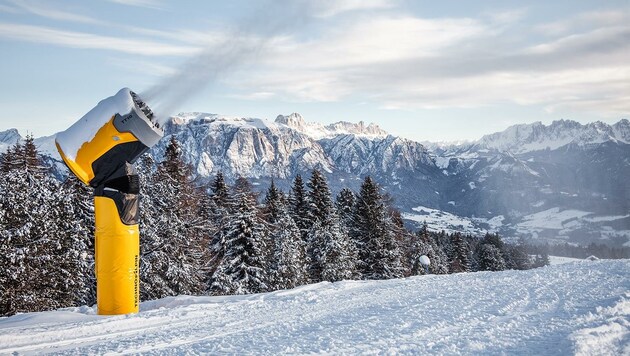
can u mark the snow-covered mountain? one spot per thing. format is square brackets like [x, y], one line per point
[256, 148]
[8, 138]
[512, 181]
[560, 182]
[318, 131]
[578, 308]
[537, 136]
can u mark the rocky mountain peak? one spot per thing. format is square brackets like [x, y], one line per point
[360, 128]
[10, 136]
[294, 120]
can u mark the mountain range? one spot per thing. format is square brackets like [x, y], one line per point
[563, 182]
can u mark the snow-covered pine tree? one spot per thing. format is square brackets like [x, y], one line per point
[174, 232]
[76, 225]
[288, 265]
[331, 255]
[31, 242]
[244, 266]
[439, 260]
[459, 260]
[344, 204]
[217, 207]
[490, 257]
[319, 197]
[378, 251]
[274, 199]
[415, 249]
[220, 190]
[299, 206]
[518, 258]
[11, 157]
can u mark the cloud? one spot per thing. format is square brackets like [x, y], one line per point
[39, 34]
[328, 8]
[36, 8]
[583, 20]
[150, 4]
[410, 62]
[254, 96]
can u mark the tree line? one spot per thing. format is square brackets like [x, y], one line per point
[216, 238]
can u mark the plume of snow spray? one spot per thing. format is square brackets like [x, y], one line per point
[243, 44]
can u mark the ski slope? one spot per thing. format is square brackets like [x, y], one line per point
[574, 308]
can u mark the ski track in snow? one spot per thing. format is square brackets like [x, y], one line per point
[573, 308]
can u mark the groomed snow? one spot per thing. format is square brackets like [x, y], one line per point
[573, 308]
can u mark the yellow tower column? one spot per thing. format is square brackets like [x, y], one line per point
[117, 250]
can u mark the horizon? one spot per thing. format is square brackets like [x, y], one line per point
[426, 72]
[310, 122]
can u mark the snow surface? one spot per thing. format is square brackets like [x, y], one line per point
[439, 220]
[574, 308]
[559, 260]
[86, 128]
[553, 218]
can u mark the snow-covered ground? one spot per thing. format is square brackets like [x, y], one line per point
[559, 260]
[439, 220]
[573, 308]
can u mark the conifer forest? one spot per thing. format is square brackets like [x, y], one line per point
[217, 238]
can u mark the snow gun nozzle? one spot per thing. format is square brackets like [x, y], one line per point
[143, 107]
[110, 136]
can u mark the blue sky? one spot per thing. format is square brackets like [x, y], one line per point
[426, 70]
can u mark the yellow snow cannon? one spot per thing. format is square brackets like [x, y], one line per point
[100, 149]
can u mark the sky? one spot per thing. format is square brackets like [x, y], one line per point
[425, 70]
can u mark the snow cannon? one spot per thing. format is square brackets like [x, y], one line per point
[100, 149]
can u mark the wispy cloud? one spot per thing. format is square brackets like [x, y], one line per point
[411, 62]
[150, 4]
[327, 8]
[39, 34]
[186, 36]
[583, 20]
[39, 9]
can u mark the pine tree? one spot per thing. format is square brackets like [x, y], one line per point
[439, 259]
[344, 204]
[32, 274]
[459, 260]
[244, 266]
[174, 232]
[333, 256]
[10, 158]
[490, 258]
[319, 197]
[518, 258]
[217, 211]
[288, 265]
[220, 190]
[299, 206]
[76, 226]
[378, 251]
[274, 201]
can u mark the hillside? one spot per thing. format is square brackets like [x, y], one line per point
[574, 308]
